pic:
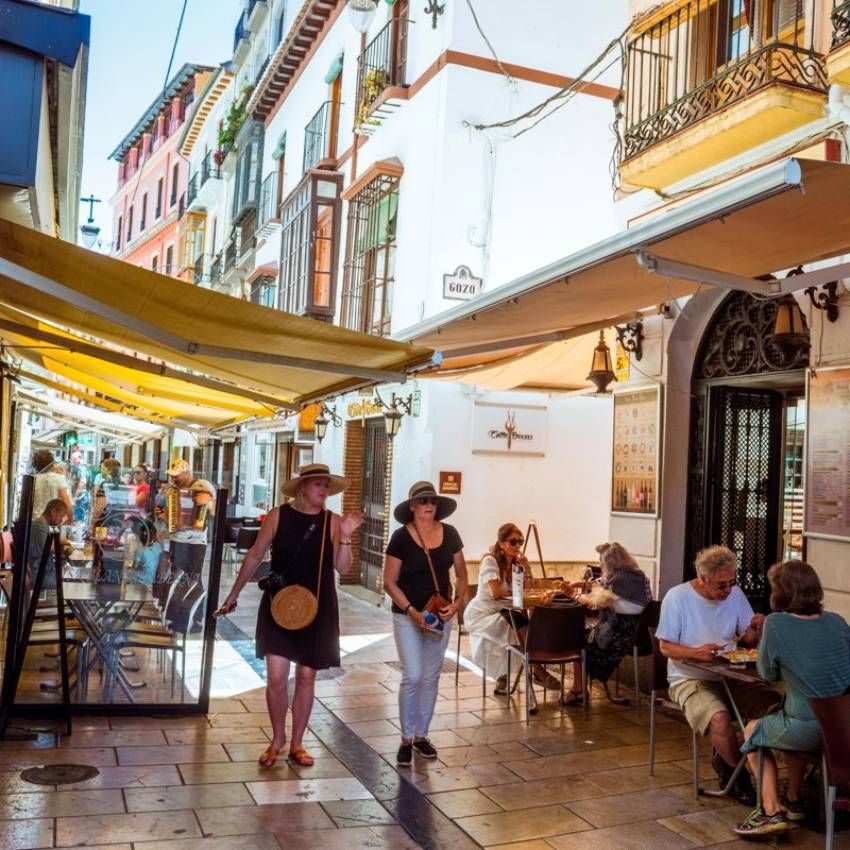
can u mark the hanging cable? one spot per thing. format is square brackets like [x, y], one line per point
[483, 35]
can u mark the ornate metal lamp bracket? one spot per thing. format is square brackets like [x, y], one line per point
[631, 338]
[330, 413]
[825, 298]
[434, 9]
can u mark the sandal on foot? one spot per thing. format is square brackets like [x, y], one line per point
[501, 686]
[572, 698]
[268, 756]
[547, 680]
[301, 757]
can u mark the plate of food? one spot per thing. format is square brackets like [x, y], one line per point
[741, 656]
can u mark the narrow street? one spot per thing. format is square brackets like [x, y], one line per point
[193, 783]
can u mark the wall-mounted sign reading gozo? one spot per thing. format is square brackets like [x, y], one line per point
[509, 429]
[461, 285]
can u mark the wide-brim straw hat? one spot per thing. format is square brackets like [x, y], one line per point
[315, 470]
[177, 467]
[445, 506]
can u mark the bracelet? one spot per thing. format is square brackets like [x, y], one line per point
[409, 606]
[344, 542]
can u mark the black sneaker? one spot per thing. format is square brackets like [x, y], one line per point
[425, 748]
[794, 810]
[743, 790]
[404, 757]
[723, 770]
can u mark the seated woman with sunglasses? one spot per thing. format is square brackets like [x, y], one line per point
[487, 618]
[623, 592]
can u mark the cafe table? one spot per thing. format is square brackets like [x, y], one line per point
[727, 671]
[104, 611]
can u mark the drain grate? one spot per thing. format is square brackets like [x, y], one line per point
[59, 774]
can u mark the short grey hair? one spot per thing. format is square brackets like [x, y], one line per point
[713, 559]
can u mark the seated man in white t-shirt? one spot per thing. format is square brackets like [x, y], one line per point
[698, 619]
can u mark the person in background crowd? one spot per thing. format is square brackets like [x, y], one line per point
[419, 557]
[147, 556]
[698, 619]
[78, 475]
[49, 483]
[625, 593]
[486, 617]
[54, 514]
[141, 479]
[107, 521]
[785, 655]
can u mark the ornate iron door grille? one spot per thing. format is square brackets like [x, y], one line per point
[743, 480]
[373, 531]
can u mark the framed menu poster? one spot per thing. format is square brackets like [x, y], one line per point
[827, 482]
[634, 473]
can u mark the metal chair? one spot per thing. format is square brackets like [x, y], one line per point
[555, 635]
[644, 629]
[245, 539]
[471, 591]
[833, 714]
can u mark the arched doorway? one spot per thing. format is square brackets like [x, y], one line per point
[745, 471]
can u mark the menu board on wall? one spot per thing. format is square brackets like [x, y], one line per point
[634, 482]
[827, 484]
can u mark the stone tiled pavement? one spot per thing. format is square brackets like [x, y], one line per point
[192, 783]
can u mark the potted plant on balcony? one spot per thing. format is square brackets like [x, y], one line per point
[233, 121]
[374, 83]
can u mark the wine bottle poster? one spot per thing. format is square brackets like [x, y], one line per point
[634, 478]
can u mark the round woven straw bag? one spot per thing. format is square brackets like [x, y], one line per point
[294, 607]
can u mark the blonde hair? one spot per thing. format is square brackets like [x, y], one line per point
[614, 557]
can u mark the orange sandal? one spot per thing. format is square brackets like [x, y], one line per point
[302, 757]
[268, 757]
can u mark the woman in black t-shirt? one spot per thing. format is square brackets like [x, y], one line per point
[419, 557]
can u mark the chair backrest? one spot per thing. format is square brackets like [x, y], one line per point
[833, 714]
[231, 530]
[556, 629]
[246, 538]
[659, 680]
[471, 591]
[251, 522]
[647, 621]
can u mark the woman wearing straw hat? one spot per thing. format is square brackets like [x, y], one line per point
[416, 576]
[308, 543]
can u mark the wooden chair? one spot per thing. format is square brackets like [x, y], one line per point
[555, 636]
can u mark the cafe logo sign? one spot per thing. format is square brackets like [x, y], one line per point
[461, 285]
[516, 430]
[366, 407]
[510, 432]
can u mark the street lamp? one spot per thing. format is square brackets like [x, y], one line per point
[789, 333]
[89, 231]
[361, 14]
[320, 423]
[601, 372]
[394, 411]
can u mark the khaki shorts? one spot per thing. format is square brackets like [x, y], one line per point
[701, 699]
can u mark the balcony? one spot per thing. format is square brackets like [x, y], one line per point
[319, 142]
[247, 241]
[230, 252]
[838, 60]
[192, 191]
[216, 269]
[381, 81]
[268, 216]
[202, 185]
[256, 14]
[202, 269]
[711, 80]
[241, 39]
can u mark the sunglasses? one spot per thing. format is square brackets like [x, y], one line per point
[426, 500]
[515, 541]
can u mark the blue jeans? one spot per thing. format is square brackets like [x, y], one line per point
[421, 654]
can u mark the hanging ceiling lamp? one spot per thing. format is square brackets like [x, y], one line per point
[361, 13]
[601, 371]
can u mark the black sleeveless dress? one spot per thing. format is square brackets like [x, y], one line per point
[295, 557]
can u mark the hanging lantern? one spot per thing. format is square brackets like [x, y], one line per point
[361, 13]
[392, 422]
[320, 425]
[789, 332]
[601, 370]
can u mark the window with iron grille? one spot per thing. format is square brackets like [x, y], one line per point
[264, 291]
[309, 250]
[370, 257]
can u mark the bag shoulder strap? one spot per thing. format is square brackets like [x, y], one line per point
[322, 555]
[421, 544]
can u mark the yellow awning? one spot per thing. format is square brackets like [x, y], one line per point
[789, 213]
[253, 347]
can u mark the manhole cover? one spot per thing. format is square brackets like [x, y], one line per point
[59, 774]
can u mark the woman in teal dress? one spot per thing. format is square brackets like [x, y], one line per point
[809, 651]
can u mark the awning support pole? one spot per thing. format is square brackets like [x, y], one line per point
[698, 274]
[43, 284]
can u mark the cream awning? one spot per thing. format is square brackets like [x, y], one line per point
[255, 357]
[792, 212]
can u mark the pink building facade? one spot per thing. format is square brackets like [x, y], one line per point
[152, 177]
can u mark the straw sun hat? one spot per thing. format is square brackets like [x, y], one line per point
[445, 505]
[315, 470]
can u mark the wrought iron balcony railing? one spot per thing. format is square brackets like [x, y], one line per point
[840, 23]
[210, 168]
[230, 252]
[201, 271]
[268, 201]
[192, 188]
[216, 268]
[707, 55]
[241, 30]
[317, 136]
[381, 64]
